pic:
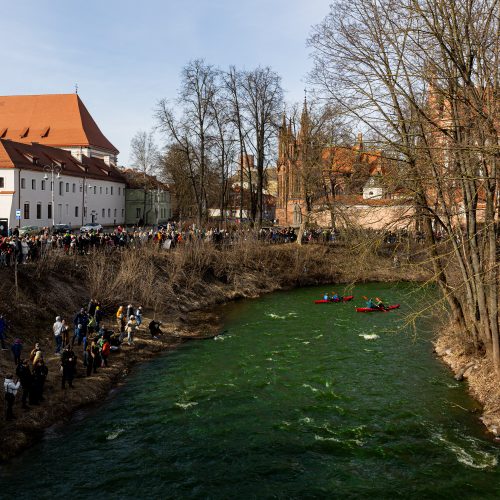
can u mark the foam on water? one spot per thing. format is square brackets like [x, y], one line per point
[185, 406]
[370, 336]
[310, 387]
[275, 316]
[114, 434]
[470, 457]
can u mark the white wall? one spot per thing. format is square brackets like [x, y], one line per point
[65, 204]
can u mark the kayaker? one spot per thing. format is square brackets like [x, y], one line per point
[379, 304]
[325, 296]
[370, 303]
[335, 297]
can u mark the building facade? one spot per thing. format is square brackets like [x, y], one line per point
[347, 186]
[147, 200]
[61, 172]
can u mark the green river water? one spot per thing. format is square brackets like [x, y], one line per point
[293, 400]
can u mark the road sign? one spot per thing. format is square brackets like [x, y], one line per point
[18, 214]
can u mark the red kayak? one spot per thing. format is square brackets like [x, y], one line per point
[342, 299]
[378, 309]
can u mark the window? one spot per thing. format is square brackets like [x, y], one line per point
[74, 188]
[137, 212]
[109, 212]
[61, 188]
[38, 210]
[33, 184]
[103, 213]
[85, 211]
[95, 189]
[23, 183]
[111, 189]
[26, 211]
[42, 187]
[114, 213]
[76, 211]
[119, 191]
[67, 209]
[123, 212]
[81, 188]
[67, 187]
[49, 211]
[106, 190]
[2, 182]
[100, 190]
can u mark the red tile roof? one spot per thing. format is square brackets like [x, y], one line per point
[59, 120]
[135, 180]
[35, 156]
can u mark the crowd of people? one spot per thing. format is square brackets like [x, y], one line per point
[25, 248]
[85, 342]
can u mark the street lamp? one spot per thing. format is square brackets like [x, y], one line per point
[52, 168]
[84, 187]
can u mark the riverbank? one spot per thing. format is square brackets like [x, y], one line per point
[176, 288]
[477, 372]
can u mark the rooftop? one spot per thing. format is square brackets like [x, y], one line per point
[59, 120]
[36, 156]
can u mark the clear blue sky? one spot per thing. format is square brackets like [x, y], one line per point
[126, 55]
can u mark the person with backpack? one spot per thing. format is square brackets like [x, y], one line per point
[131, 329]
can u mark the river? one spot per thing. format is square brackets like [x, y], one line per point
[292, 400]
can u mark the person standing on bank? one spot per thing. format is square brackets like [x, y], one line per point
[138, 316]
[3, 328]
[131, 328]
[57, 328]
[23, 372]
[10, 388]
[130, 311]
[16, 349]
[68, 365]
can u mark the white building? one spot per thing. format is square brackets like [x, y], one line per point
[53, 137]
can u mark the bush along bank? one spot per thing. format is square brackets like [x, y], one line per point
[173, 287]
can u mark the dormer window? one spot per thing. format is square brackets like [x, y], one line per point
[25, 132]
[45, 132]
[3, 132]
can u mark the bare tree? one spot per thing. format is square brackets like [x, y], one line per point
[191, 132]
[145, 158]
[261, 101]
[424, 76]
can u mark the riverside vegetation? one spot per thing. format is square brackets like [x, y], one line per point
[175, 287]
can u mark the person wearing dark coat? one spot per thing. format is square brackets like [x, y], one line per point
[82, 319]
[130, 311]
[68, 364]
[16, 349]
[39, 373]
[154, 328]
[23, 372]
[91, 307]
